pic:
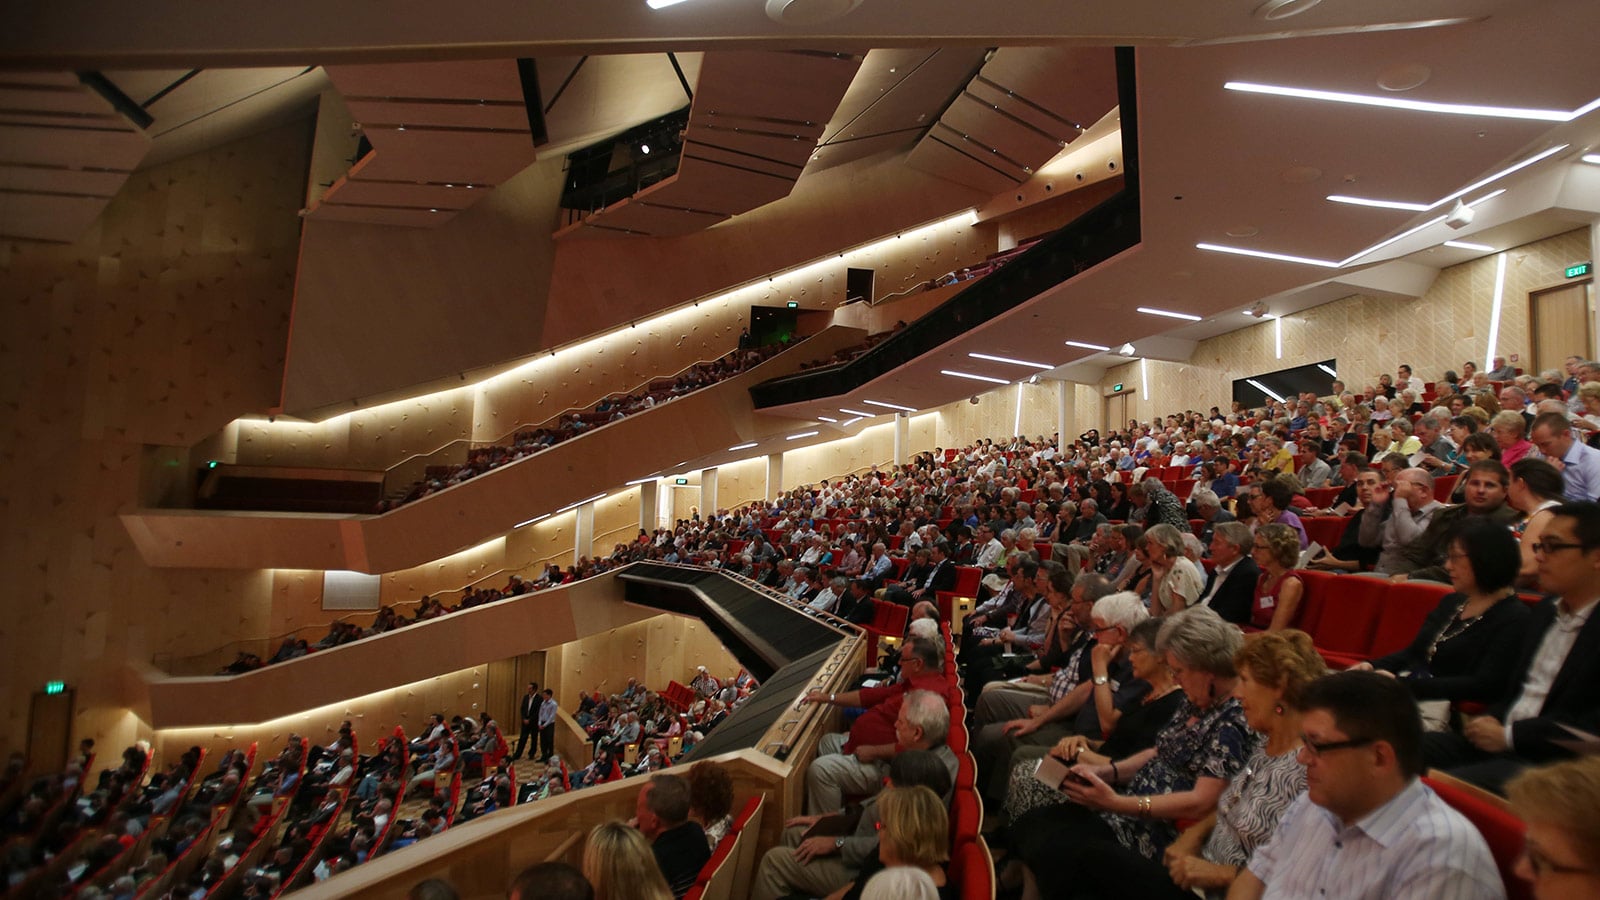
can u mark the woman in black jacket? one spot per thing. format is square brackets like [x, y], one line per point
[1467, 647]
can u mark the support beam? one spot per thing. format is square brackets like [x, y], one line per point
[650, 505]
[774, 475]
[708, 492]
[902, 437]
[1066, 410]
[582, 532]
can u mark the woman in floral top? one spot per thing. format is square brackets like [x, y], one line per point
[1195, 756]
[1273, 669]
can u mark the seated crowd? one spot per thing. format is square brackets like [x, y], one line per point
[570, 425]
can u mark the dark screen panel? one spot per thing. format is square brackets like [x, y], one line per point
[1316, 378]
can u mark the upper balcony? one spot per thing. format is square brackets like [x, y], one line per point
[690, 427]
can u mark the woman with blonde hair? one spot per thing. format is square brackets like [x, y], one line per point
[1278, 590]
[618, 863]
[916, 833]
[1562, 844]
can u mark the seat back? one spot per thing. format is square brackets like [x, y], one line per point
[1349, 614]
[1316, 593]
[1327, 530]
[972, 871]
[1501, 830]
[1322, 498]
[1405, 606]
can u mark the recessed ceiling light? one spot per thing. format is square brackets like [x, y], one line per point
[1272, 10]
[1084, 346]
[1009, 361]
[747, 446]
[532, 520]
[857, 413]
[829, 419]
[1463, 245]
[1593, 158]
[847, 422]
[1454, 109]
[803, 434]
[1380, 204]
[1243, 231]
[1404, 77]
[968, 375]
[1262, 254]
[890, 405]
[1152, 311]
[1417, 207]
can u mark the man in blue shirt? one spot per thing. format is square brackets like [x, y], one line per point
[1579, 463]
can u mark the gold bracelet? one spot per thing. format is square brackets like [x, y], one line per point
[1144, 807]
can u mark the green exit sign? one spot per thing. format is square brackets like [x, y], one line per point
[794, 304]
[680, 481]
[55, 687]
[1116, 388]
[1578, 270]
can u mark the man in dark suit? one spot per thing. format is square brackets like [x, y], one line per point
[528, 709]
[1208, 508]
[678, 843]
[1231, 588]
[1558, 676]
[939, 576]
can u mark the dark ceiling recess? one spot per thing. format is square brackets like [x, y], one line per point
[119, 101]
[1090, 239]
[619, 167]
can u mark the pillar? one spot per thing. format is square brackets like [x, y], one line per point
[902, 437]
[1066, 411]
[708, 492]
[583, 531]
[650, 505]
[774, 475]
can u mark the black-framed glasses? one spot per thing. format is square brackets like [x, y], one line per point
[1315, 750]
[1547, 546]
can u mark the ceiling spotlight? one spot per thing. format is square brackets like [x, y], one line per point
[1126, 350]
[645, 149]
[1257, 310]
[1460, 216]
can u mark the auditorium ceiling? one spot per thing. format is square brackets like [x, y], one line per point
[1236, 169]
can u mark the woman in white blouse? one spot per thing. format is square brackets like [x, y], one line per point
[1178, 581]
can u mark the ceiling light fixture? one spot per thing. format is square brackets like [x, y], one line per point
[645, 480]
[532, 520]
[1084, 346]
[1152, 311]
[857, 413]
[1591, 158]
[829, 419]
[849, 421]
[747, 446]
[803, 434]
[661, 4]
[1009, 361]
[1417, 207]
[889, 405]
[1331, 372]
[1453, 109]
[1463, 245]
[1262, 254]
[1264, 389]
[954, 374]
[1126, 350]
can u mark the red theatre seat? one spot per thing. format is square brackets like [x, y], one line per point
[1327, 530]
[967, 579]
[1501, 830]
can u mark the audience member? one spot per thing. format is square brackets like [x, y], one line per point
[619, 865]
[550, 881]
[1561, 854]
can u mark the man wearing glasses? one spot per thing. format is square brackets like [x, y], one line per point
[1367, 827]
[1558, 676]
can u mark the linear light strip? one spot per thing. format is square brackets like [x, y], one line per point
[1262, 254]
[1277, 335]
[1331, 373]
[954, 374]
[829, 419]
[645, 480]
[1380, 204]
[1494, 310]
[1264, 389]
[1454, 109]
[890, 405]
[1084, 346]
[598, 496]
[857, 413]
[1016, 425]
[1144, 379]
[803, 434]
[1009, 361]
[532, 520]
[848, 422]
[1167, 313]
[1463, 245]
[742, 446]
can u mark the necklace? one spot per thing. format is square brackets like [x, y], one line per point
[1458, 626]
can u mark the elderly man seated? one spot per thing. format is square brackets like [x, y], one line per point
[854, 762]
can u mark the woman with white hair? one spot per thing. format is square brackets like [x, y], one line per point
[1204, 746]
[1178, 581]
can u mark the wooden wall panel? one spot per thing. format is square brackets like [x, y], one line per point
[655, 651]
[162, 323]
[742, 482]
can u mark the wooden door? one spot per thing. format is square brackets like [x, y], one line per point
[49, 731]
[1116, 412]
[1561, 322]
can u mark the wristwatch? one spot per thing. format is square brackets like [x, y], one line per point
[838, 843]
[1101, 679]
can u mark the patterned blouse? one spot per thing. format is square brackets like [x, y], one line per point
[1251, 805]
[1197, 743]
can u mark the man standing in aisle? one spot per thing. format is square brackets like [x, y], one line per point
[547, 726]
[528, 707]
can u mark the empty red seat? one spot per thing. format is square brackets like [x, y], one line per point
[967, 578]
[1327, 530]
[1323, 497]
[1349, 613]
[1443, 485]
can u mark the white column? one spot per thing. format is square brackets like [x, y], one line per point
[774, 475]
[902, 437]
[1594, 330]
[1066, 410]
[583, 532]
[649, 505]
[708, 492]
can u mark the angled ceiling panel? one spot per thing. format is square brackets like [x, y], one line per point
[895, 96]
[754, 124]
[1022, 108]
[434, 129]
[64, 153]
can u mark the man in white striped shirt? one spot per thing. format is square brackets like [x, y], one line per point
[1366, 827]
